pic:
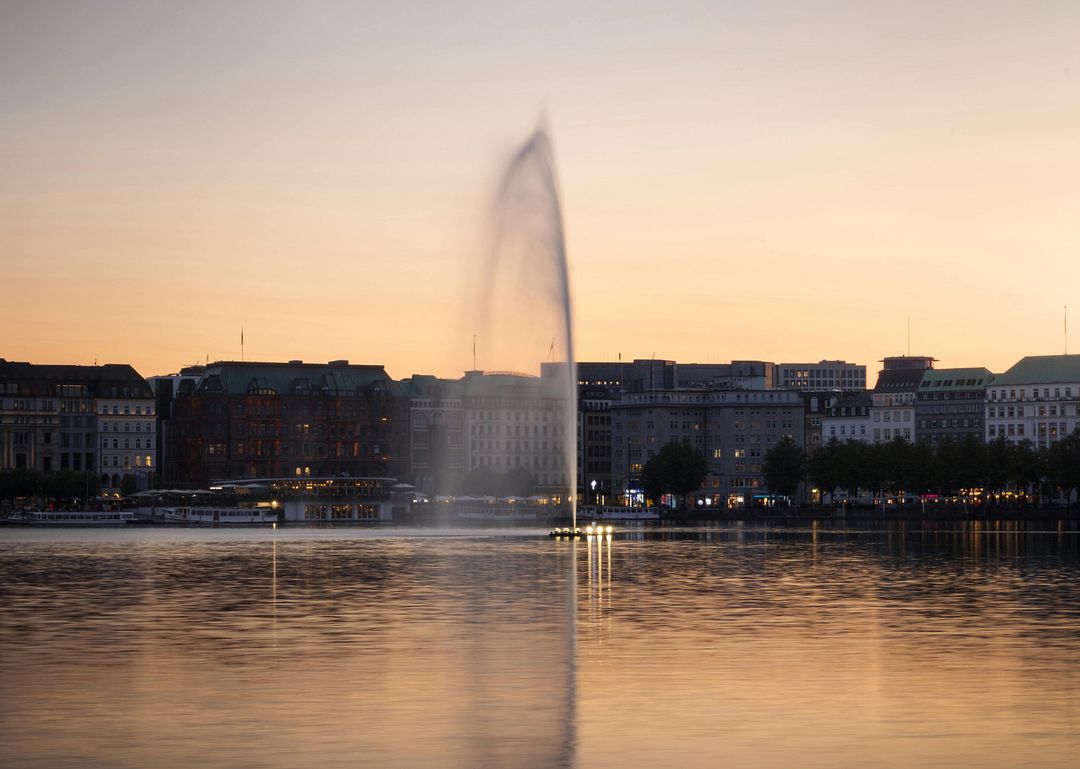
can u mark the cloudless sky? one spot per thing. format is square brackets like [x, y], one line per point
[764, 180]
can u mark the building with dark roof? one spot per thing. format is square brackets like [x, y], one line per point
[437, 459]
[892, 410]
[823, 375]
[81, 418]
[256, 419]
[847, 418]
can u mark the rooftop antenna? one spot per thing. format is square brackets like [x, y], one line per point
[474, 352]
[1066, 329]
[241, 344]
[909, 336]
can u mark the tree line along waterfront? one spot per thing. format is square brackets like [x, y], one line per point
[964, 471]
[62, 490]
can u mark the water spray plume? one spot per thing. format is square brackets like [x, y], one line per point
[525, 306]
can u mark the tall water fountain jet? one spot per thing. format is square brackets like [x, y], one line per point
[525, 307]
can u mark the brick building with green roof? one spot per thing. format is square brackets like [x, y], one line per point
[296, 419]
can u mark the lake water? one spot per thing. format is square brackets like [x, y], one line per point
[730, 646]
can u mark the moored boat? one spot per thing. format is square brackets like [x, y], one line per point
[72, 517]
[616, 513]
[227, 515]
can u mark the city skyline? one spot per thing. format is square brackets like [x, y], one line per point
[746, 182]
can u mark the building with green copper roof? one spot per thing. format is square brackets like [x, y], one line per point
[1036, 400]
[294, 419]
[949, 404]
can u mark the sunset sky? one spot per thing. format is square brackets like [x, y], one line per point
[778, 181]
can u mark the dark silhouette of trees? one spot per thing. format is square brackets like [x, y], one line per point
[784, 467]
[61, 487]
[677, 469]
[824, 468]
[487, 481]
[947, 468]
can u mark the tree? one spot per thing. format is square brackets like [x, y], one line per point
[823, 467]
[21, 482]
[853, 473]
[1063, 463]
[127, 485]
[784, 466]
[897, 460]
[998, 458]
[1025, 470]
[678, 469]
[517, 482]
[481, 480]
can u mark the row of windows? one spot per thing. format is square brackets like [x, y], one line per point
[535, 431]
[891, 416]
[138, 410]
[1034, 393]
[844, 431]
[127, 443]
[935, 424]
[1051, 430]
[888, 433]
[149, 427]
[1003, 412]
[116, 461]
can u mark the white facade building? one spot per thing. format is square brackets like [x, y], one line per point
[1036, 400]
[127, 430]
[847, 418]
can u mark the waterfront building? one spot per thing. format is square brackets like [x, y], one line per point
[815, 406]
[630, 376]
[892, 410]
[295, 419]
[436, 433]
[847, 418]
[515, 422]
[737, 375]
[166, 388]
[335, 499]
[733, 429]
[823, 375]
[1036, 400]
[82, 418]
[594, 444]
[949, 404]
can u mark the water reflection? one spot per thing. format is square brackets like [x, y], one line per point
[728, 645]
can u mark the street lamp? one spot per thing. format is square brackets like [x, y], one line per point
[592, 485]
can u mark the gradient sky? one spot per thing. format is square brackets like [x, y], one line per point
[777, 181]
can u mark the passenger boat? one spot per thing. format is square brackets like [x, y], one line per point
[228, 515]
[73, 518]
[616, 513]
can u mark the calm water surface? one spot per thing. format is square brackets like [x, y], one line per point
[715, 647]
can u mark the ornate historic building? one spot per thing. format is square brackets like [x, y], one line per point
[264, 420]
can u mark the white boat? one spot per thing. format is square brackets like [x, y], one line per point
[508, 514]
[228, 515]
[73, 518]
[616, 513]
